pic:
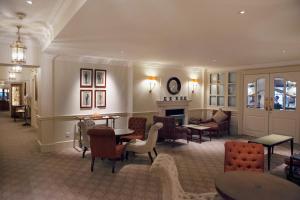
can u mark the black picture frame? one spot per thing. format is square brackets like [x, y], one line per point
[86, 78]
[174, 85]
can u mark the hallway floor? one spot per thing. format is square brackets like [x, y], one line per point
[28, 174]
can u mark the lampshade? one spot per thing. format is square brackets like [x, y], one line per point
[18, 50]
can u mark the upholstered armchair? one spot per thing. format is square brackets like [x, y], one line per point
[170, 130]
[145, 146]
[103, 145]
[165, 168]
[84, 126]
[219, 123]
[242, 156]
[138, 124]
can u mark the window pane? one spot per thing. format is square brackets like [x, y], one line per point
[290, 101]
[251, 95]
[232, 77]
[260, 93]
[231, 89]
[220, 89]
[213, 89]
[220, 101]
[278, 93]
[213, 100]
[221, 78]
[231, 101]
[213, 78]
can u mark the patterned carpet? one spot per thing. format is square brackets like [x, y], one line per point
[27, 174]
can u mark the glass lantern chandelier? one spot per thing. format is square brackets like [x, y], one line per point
[11, 76]
[18, 50]
[17, 69]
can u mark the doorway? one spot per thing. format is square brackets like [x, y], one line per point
[4, 99]
[271, 104]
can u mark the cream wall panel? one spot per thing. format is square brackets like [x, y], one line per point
[143, 101]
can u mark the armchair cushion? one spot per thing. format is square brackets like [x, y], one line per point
[219, 116]
[243, 156]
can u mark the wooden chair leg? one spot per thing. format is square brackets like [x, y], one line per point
[155, 151]
[83, 153]
[92, 164]
[126, 156]
[150, 156]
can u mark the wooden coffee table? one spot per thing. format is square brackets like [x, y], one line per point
[247, 185]
[200, 129]
[270, 141]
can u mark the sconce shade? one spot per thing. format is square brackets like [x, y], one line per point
[151, 78]
[194, 84]
[151, 82]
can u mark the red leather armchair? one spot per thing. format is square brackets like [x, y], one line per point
[103, 145]
[170, 130]
[242, 156]
[138, 124]
[218, 127]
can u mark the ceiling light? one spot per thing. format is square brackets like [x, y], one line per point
[18, 50]
[11, 76]
[17, 69]
[214, 60]
[242, 12]
[283, 51]
[29, 2]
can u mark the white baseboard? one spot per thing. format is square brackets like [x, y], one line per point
[57, 146]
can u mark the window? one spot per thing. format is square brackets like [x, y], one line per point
[4, 94]
[284, 94]
[222, 89]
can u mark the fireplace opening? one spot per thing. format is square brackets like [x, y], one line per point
[178, 114]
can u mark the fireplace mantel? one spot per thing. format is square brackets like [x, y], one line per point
[173, 103]
[165, 105]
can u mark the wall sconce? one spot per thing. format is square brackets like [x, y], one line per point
[194, 84]
[151, 82]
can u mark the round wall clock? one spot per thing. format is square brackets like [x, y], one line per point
[174, 85]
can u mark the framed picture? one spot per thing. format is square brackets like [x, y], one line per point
[100, 78]
[86, 78]
[100, 98]
[86, 98]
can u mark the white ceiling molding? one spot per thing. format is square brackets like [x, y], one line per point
[61, 15]
[44, 19]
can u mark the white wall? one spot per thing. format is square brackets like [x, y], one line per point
[143, 101]
[67, 88]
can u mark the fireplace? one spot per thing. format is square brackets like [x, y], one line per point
[178, 114]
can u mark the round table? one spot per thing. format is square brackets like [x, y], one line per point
[118, 132]
[242, 185]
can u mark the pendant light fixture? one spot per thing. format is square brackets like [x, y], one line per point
[18, 48]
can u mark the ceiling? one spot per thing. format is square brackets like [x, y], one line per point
[205, 33]
[35, 24]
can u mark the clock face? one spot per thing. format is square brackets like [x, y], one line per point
[174, 85]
